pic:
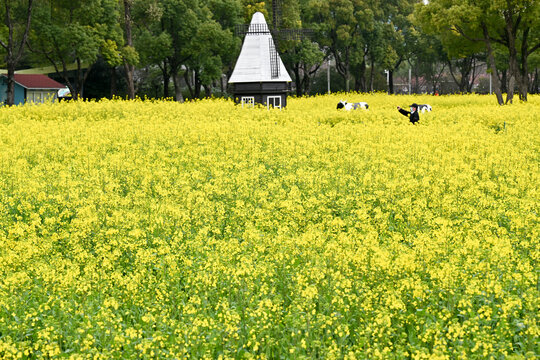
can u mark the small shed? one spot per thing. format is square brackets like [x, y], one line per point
[259, 76]
[34, 88]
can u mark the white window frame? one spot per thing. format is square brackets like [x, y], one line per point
[249, 101]
[273, 98]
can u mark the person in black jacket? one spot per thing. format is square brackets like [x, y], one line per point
[413, 114]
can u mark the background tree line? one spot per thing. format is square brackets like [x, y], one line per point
[188, 48]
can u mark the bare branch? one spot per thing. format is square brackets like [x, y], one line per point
[9, 24]
[533, 49]
[26, 30]
[462, 33]
[3, 44]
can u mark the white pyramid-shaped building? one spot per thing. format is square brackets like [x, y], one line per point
[259, 75]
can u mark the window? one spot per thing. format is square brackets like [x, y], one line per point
[249, 101]
[273, 101]
[34, 96]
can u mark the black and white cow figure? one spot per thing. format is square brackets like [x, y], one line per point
[343, 104]
[423, 108]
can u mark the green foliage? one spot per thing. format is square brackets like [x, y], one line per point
[153, 47]
[111, 53]
[130, 55]
[440, 18]
[253, 6]
[66, 32]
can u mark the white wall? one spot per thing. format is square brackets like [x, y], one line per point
[40, 96]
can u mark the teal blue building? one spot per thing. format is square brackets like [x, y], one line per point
[31, 88]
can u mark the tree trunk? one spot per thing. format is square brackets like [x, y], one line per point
[416, 88]
[113, 82]
[307, 85]
[491, 59]
[130, 68]
[207, 91]
[513, 61]
[504, 81]
[524, 68]
[511, 86]
[166, 79]
[391, 81]
[371, 75]
[81, 79]
[297, 80]
[470, 84]
[343, 69]
[465, 75]
[188, 83]
[360, 77]
[177, 88]
[14, 51]
[535, 83]
[10, 100]
[197, 85]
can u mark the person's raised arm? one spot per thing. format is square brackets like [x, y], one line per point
[404, 112]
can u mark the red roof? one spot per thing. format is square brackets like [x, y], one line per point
[36, 81]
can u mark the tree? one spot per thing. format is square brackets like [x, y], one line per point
[336, 26]
[362, 35]
[300, 54]
[17, 17]
[530, 43]
[152, 42]
[304, 59]
[223, 47]
[74, 32]
[508, 23]
[129, 51]
[430, 59]
[201, 39]
[180, 21]
[398, 37]
[210, 47]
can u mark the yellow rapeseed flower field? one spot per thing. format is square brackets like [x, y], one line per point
[158, 230]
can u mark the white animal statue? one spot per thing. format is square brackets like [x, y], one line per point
[424, 107]
[343, 104]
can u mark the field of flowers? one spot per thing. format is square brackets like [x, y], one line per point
[158, 230]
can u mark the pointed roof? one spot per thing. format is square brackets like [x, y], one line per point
[253, 64]
[36, 81]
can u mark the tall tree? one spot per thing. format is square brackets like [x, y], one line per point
[202, 41]
[363, 34]
[504, 22]
[180, 20]
[129, 65]
[397, 39]
[74, 32]
[530, 44]
[152, 42]
[301, 55]
[338, 31]
[14, 34]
